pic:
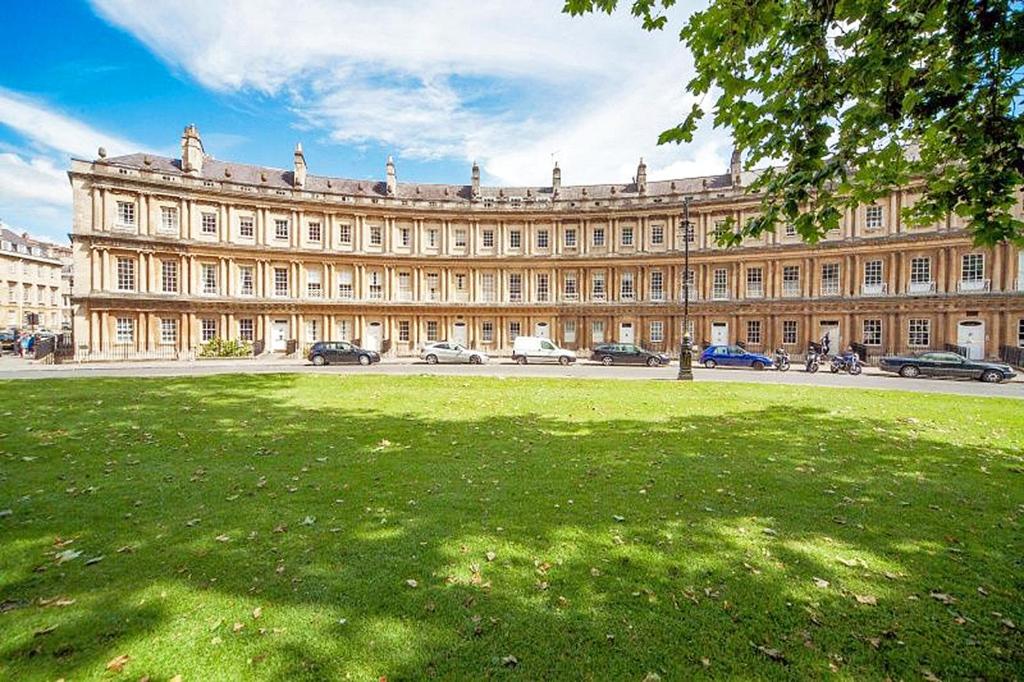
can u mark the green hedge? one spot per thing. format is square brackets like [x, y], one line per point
[225, 348]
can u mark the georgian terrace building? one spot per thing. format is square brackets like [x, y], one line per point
[170, 253]
[33, 280]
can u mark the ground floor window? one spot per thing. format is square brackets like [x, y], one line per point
[789, 331]
[657, 331]
[753, 331]
[919, 332]
[487, 331]
[343, 330]
[245, 330]
[1020, 333]
[431, 330]
[403, 330]
[569, 331]
[125, 330]
[871, 334]
[168, 330]
[514, 329]
[207, 329]
[311, 330]
[597, 331]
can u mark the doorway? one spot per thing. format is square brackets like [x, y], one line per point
[279, 336]
[542, 330]
[971, 335]
[374, 334]
[831, 327]
[719, 333]
[460, 334]
[626, 332]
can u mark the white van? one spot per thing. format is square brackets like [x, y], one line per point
[538, 349]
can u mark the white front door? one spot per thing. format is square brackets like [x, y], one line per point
[460, 334]
[279, 335]
[542, 330]
[835, 346]
[971, 335]
[626, 333]
[374, 334]
[719, 333]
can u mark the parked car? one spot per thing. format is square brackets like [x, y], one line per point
[627, 354]
[445, 351]
[946, 365]
[7, 339]
[733, 356]
[538, 349]
[341, 352]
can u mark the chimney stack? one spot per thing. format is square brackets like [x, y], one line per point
[736, 166]
[300, 166]
[641, 177]
[192, 153]
[476, 181]
[556, 179]
[392, 178]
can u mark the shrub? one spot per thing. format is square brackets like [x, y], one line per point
[225, 348]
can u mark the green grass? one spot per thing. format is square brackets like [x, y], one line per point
[634, 528]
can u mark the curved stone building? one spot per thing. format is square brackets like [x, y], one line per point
[170, 253]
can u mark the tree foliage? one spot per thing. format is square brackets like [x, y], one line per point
[842, 100]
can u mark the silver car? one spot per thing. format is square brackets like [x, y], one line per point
[447, 352]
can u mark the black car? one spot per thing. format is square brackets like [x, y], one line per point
[627, 354]
[946, 365]
[341, 352]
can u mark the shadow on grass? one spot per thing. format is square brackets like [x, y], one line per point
[773, 540]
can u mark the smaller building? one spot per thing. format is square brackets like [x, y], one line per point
[35, 282]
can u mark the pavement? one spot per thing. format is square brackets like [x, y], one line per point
[15, 368]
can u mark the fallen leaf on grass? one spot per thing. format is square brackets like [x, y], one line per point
[44, 631]
[223, 538]
[117, 664]
[411, 582]
[491, 556]
[942, 597]
[67, 555]
[869, 599]
[257, 612]
[773, 654]
[821, 582]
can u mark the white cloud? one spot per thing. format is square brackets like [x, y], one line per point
[506, 82]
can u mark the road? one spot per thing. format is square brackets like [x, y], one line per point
[14, 368]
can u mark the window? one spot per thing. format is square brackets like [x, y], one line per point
[514, 330]
[345, 233]
[207, 329]
[432, 238]
[245, 329]
[404, 236]
[515, 239]
[314, 283]
[208, 223]
[789, 331]
[657, 331]
[376, 235]
[1020, 333]
[626, 291]
[597, 286]
[598, 236]
[405, 286]
[570, 289]
[687, 283]
[246, 227]
[920, 270]
[686, 232]
[657, 234]
[488, 239]
[431, 330]
[755, 282]
[627, 235]
[830, 279]
[597, 331]
[126, 274]
[542, 287]
[168, 218]
[280, 281]
[570, 237]
[790, 280]
[487, 289]
[542, 239]
[569, 331]
[790, 230]
[460, 239]
[376, 285]
[208, 277]
[345, 290]
[433, 286]
[169, 276]
[312, 330]
[124, 330]
[657, 286]
[126, 213]
[754, 332]
[919, 332]
[281, 229]
[168, 330]
[873, 218]
[403, 331]
[873, 273]
[871, 332]
[487, 331]
[313, 229]
[515, 287]
[245, 280]
[720, 284]
[343, 330]
[972, 267]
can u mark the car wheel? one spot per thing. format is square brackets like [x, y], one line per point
[710, 364]
[474, 359]
[431, 359]
[909, 372]
[992, 376]
[319, 361]
[563, 360]
[364, 360]
[653, 362]
[521, 360]
[607, 360]
[757, 364]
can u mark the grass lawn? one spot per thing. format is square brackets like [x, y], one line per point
[300, 526]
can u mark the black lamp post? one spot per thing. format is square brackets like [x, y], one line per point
[686, 348]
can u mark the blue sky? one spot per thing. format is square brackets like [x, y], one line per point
[436, 83]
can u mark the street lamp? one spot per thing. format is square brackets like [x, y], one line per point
[686, 347]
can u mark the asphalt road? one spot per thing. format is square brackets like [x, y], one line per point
[13, 368]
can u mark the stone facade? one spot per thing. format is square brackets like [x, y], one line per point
[171, 252]
[32, 281]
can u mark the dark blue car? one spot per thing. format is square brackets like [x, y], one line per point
[733, 356]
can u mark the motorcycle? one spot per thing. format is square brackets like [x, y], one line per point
[847, 362]
[781, 359]
[814, 358]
